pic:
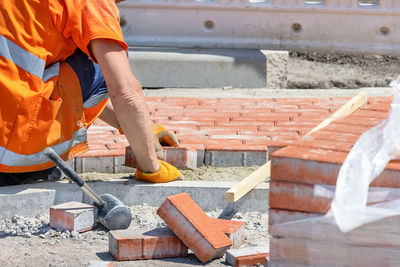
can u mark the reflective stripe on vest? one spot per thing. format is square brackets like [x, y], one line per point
[13, 159]
[26, 60]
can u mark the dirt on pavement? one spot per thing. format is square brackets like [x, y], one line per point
[323, 71]
[204, 173]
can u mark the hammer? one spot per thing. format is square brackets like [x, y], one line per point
[113, 214]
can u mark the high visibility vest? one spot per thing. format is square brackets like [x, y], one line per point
[40, 97]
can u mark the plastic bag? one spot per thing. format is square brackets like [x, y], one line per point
[367, 159]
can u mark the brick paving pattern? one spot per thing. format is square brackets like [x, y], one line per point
[244, 124]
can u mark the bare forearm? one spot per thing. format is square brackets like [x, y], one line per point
[133, 116]
[108, 116]
[128, 102]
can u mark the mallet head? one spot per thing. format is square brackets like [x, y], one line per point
[114, 215]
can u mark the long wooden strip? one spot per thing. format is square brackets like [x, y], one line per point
[248, 183]
[352, 105]
[264, 172]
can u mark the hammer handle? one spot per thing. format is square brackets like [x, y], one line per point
[67, 170]
[71, 174]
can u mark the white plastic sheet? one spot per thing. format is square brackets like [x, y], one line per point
[367, 159]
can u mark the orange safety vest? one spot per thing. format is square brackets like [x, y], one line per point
[40, 97]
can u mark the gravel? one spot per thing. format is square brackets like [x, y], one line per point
[32, 242]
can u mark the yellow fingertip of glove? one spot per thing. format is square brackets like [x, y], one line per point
[169, 141]
[158, 128]
[165, 174]
[120, 131]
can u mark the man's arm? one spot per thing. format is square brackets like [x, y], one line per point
[128, 101]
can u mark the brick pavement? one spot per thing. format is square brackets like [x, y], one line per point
[232, 124]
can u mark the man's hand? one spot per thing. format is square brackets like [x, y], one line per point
[163, 137]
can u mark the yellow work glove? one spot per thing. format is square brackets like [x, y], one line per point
[161, 137]
[165, 174]
[165, 137]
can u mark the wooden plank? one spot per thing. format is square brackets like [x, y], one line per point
[264, 172]
[352, 105]
[248, 183]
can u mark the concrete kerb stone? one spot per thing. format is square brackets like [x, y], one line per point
[202, 68]
[31, 200]
[209, 196]
[216, 158]
[232, 158]
[35, 199]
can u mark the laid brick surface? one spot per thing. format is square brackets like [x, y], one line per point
[73, 216]
[141, 244]
[189, 222]
[203, 122]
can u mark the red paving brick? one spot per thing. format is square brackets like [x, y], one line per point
[237, 123]
[180, 157]
[189, 222]
[73, 216]
[233, 229]
[145, 244]
[297, 197]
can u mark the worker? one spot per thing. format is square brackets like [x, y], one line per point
[60, 61]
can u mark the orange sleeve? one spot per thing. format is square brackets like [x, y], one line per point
[86, 20]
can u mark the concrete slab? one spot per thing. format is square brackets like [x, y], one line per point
[201, 68]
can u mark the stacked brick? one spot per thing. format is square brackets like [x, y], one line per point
[314, 161]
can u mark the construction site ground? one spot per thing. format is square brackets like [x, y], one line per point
[324, 72]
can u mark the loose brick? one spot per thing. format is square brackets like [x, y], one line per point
[141, 244]
[73, 216]
[233, 229]
[189, 222]
[180, 157]
[247, 256]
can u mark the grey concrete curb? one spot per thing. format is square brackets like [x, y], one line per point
[201, 68]
[215, 158]
[35, 199]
